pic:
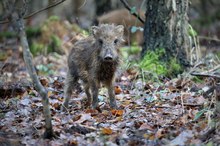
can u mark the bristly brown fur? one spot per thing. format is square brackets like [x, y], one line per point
[89, 61]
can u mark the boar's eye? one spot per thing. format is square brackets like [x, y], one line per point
[115, 41]
[100, 41]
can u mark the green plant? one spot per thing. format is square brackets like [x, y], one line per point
[36, 48]
[173, 66]
[33, 31]
[55, 44]
[192, 31]
[153, 62]
[45, 69]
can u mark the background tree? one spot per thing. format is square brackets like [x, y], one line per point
[14, 13]
[102, 6]
[166, 26]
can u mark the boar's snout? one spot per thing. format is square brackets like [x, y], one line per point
[108, 57]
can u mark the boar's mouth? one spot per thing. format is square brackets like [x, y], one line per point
[108, 61]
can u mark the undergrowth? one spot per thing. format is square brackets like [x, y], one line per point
[152, 65]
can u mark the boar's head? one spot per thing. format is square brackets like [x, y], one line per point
[108, 39]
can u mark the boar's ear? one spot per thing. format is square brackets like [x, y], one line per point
[120, 29]
[94, 30]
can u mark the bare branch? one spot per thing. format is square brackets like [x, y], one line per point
[126, 5]
[38, 11]
[43, 9]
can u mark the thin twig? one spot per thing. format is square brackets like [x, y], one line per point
[192, 104]
[213, 69]
[205, 75]
[38, 11]
[126, 5]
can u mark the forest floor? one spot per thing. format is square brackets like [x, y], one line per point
[174, 111]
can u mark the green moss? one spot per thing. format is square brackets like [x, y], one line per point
[37, 48]
[30, 31]
[7, 34]
[152, 62]
[33, 31]
[55, 44]
[53, 18]
[173, 67]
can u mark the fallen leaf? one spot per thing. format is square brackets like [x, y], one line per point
[118, 90]
[44, 82]
[182, 138]
[25, 101]
[83, 118]
[106, 131]
[146, 126]
[117, 112]
[49, 93]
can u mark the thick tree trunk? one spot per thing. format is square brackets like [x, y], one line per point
[166, 26]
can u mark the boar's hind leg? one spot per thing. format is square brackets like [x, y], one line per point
[87, 91]
[70, 83]
[111, 94]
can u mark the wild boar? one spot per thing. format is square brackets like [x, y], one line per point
[94, 60]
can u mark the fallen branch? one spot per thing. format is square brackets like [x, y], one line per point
[126, 5]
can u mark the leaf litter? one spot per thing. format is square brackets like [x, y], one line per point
[161, 117]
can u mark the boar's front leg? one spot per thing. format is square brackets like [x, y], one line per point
[95, 90]
[111, 94]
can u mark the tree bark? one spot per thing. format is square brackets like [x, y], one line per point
[166, 26]
[41, 90]
[18, 24]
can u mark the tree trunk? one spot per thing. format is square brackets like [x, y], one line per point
[166, 26]
[18, 25]
[102, 6]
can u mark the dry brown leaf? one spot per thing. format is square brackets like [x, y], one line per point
[56, 105]
[44, 82]
[117, 112]
[146, 126]
[118, 90]
[83, 118]
[106, 131]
